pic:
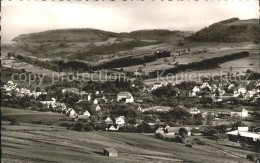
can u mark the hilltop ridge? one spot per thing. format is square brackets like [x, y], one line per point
[230, 30]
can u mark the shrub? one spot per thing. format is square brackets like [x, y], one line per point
[78, 127]
[65, 124]
[88, 127]
[13, 122]
[250, 157]
[179, 139]
[188, 145]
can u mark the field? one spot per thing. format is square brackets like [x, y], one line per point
[216, 49]
[50, 143]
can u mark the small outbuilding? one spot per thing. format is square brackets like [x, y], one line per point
[111, 152]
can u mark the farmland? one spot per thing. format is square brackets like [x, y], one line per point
[38, 142]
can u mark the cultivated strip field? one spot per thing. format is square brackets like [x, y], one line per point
[50, 143]
[41, 143]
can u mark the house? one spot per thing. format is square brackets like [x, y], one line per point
[46, 100]
[107, 120]
[95, 102]
[89, 97]
[71, 113]
[195, 90]
[156, 86]
[82, 118]
[241, 90]
[194, 110]
[120, 120]
[96, 107]
[205, 85]
[240, 112]
[231, 87]
[248, 137]
[160, 130]
[111, 152]
[112, 127]
[250, 94]
[70, 90]
[86, 113]
[240, 126]
[139, 108]
[60, 107]
[125, 97]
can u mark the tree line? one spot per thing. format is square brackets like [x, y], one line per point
[202, 65]
[76, 65]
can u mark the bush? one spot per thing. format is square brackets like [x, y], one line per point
[88, 128]
[65, 124]
[188, 145]
[179, 139]
[78, 127]
[250, 157]
[13, 122]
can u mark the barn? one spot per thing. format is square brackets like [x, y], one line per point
[111, 152]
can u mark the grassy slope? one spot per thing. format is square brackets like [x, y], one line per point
[67, 35]
[42, 143]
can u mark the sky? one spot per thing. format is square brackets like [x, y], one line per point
[23, 17]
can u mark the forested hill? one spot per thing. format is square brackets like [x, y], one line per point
[67, 35]
[87, 35]
[230, 30]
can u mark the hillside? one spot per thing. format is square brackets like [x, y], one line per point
[230, 30]
[94, 35]
[67, 35]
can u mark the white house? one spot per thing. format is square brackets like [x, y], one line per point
[241, 91]
[89, 97]
[204, 85]
[120, 120]
[125, 96]
[241, 112]
[96, 107]
[71, 113]
[86, 113]
[48, 102]
[70, 90]
[196, 89]
[95, 101]
[194, 110]
[112, 127]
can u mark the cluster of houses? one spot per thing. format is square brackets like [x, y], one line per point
[12, 88]
[218, 93]
[236, 132]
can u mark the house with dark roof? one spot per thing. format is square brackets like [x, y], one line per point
[240, 112]
[112, 127]
[125, 97]
[107, 120]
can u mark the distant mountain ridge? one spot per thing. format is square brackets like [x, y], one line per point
[230, 30]
[67, 35]
[94, 35]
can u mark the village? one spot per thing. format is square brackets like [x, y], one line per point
[172, 112]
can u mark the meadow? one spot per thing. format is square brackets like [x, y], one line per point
[28, 142]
